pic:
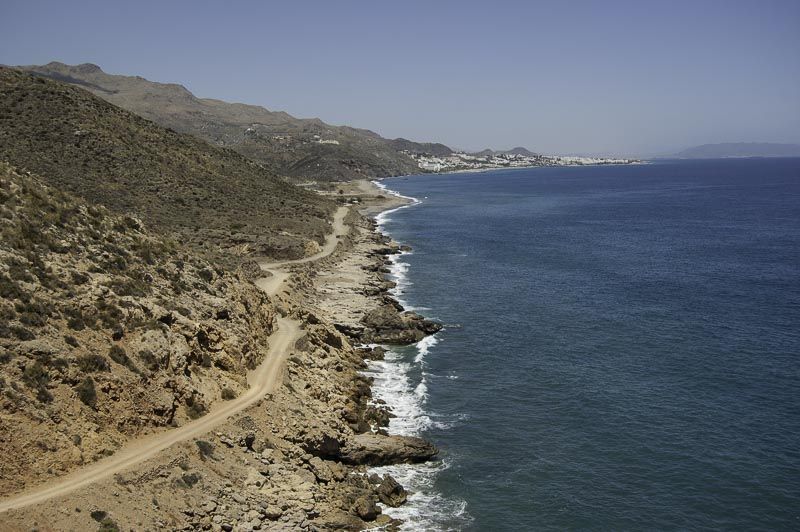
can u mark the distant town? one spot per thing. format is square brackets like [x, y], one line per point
[461, 161]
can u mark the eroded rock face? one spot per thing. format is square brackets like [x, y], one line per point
[378, 449]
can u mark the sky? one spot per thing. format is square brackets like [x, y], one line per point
[603, 77]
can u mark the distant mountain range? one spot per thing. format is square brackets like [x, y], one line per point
[740, 149]
[519, 150]
[293, 147]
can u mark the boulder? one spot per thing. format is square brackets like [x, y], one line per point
[390, 492]
[366, 508]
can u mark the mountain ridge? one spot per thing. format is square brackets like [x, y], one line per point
[299, 148]
[210, 197]
[518, 150]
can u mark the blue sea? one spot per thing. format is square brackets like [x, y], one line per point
[621, 351]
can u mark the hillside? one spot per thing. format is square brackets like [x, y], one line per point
[212, 198]
[107, 331]
[427, 148]
[303, 149]
[740, 149]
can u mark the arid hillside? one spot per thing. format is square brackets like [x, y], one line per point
[211, 198]
[107, 331]
[302, 149]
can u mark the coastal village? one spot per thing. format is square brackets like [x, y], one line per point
[460, 161]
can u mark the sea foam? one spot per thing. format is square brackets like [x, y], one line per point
[401, 382]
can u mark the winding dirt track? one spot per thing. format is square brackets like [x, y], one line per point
[262, 380]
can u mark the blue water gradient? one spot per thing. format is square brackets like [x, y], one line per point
[628, 353]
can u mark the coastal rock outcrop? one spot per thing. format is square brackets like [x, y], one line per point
[378, 449]
[388, 325]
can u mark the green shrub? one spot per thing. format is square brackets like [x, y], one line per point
[93, 362]
[19, 271]
[206, 449]
[118, 355]
[109, 314]
[59, 363]
[43, 395]
[36, 377]
[76, 323]
[86, 392]
[108, 525]
[22, 333]
[228, 394]
[194, 408]
[149, 359]
[34, 306]
[7, 312]
[116, 263]
[190, 479]
[10, 289]
[34, 320]
[80, 278]
[130, 287]
[71, 341]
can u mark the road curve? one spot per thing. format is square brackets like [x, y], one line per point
[262, 380]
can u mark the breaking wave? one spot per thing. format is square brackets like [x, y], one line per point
[401, 382]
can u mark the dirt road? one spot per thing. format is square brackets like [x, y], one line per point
[262, 380]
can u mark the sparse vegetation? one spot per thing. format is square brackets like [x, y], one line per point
[228, 394]
[108, 525]
[109, 314]
[190, 479]
[92, 363]
[87, 293]
[118, 355]
[195, 408]
[71, 341]
[131, 165]
[206, 449]
[149, 359]
[36, 377]
[86, 392]
[22, 333]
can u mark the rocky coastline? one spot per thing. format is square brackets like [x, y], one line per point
[299, 458]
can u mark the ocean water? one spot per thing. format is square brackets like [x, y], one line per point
[622, 349]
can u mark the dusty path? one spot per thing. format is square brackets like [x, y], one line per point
[262, 380]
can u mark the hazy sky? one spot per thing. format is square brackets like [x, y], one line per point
[626, 77]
